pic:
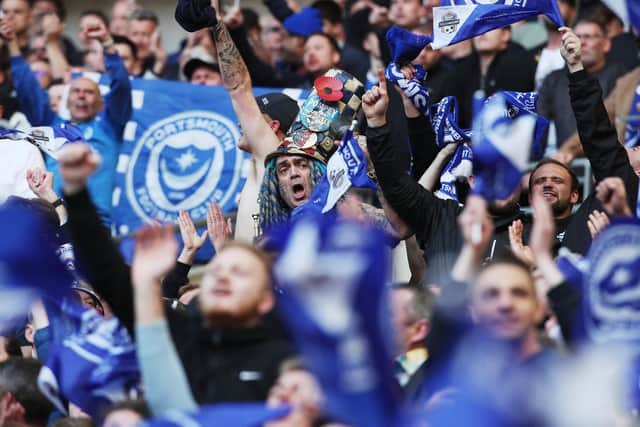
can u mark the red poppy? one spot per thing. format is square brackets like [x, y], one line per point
[328, 88]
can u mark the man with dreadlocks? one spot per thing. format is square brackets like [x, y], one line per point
[294, 168]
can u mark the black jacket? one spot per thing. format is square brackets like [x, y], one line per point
[222, 364]
[606, 155]
[433, 220]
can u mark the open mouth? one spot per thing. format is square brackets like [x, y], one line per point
[298, 191]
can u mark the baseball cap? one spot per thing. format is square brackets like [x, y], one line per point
[304, 23]
[199, 57]
[279, 107]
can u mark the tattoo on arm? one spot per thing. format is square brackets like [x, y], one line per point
[232, 67]
[378, 219]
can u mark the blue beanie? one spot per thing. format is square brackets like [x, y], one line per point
[304, 23]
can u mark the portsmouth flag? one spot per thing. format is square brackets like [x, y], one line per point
[228, 414]
[501, 148]
[524, 103]
[627, 10]
[612, 284]
[458, 20]
[29, 266]
[334, 302]
[92, 360]
[179, 153]
[346, 168]
[47, 138]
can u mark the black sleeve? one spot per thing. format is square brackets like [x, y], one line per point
[565, 303]
[598, 136]
[176, 278]
[262, 74]
[413, 204]
[278, 8]
[99, 258]
[423, 144]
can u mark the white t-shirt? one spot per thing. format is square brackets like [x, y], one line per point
[15, 158]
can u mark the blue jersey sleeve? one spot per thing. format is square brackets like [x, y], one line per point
[32, 98]
[118, 100]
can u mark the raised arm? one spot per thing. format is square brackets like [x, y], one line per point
[32, 98]
[413, 204]
[118, 101]
[155, 253]
[235, 75]
[598, 136]
[98, 257]
[53, 28]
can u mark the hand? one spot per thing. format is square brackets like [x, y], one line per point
[571, 49]
[41, 183]
[613, 195]
[233, 18]
[97, 31]
[11, 411]
[193, 15]
[155, 254]
[192, 241]
[379, 15]
[375, 103]
[542, 233]
[563, 157]
[476, 225]
[7, 29]
[77, 161]
[597, 222]
[219, 230]
[52, 27]
[634, 158]
[516, 243]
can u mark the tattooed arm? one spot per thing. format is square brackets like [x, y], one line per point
[386, 221]
[235, 75]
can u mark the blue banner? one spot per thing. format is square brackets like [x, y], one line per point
[501, 147]
[179, 152]
[334, 302]
[92, 360]
[29, 266]
[458, 20]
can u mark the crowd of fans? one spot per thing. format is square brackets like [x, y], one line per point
[486, 327]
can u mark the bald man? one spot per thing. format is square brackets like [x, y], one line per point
[101, 120]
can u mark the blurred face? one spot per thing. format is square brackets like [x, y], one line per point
[93, 57]
[84, 100]
[55, 95]
[272, 35]
[140, 32]
[206, 76]
[18, 12]
[42, 71]
[37, 48]
[594, 45]
[553, 182]
[292, 50]
[300, 390]
[493, 41]
[401, 320]
[406, 13]
[126, 54]
[428, 57]
[122, 418]
[235, 288]
[504, 301]
[319, 55]
[120, 18]
[294, 179]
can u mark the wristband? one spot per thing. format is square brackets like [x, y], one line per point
[57, 202]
